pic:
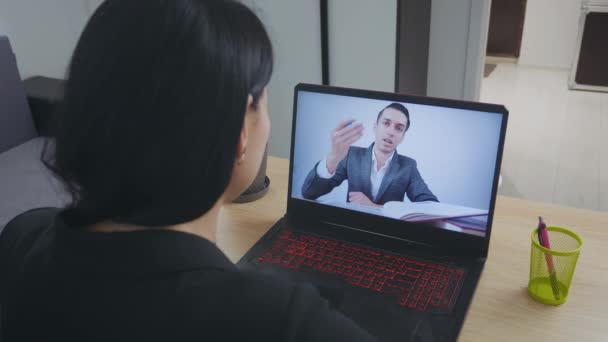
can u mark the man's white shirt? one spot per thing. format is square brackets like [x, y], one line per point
[376, 175]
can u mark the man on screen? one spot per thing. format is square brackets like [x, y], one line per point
[377, 174]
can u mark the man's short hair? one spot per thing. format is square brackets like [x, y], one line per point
[399, 107]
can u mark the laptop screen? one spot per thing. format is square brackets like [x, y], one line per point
[427, 164]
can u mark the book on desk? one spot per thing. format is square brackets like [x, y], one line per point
[461, 216]
[429, 211]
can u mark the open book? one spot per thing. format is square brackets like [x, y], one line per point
[357, 207]
[427, 211]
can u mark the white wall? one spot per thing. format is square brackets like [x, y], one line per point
[362, 36]
[550, 31]
[362, 40]
[457, 48]
[43, 34]
[362, 45]
[294, 28]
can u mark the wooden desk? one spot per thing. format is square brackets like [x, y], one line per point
[501, 309]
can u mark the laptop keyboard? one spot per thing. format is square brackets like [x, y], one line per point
[414, 283]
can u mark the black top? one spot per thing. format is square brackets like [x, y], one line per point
[64, 284]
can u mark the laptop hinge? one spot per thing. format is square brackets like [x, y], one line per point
[377, 234]
[297, 220]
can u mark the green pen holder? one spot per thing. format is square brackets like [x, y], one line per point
[551, 270]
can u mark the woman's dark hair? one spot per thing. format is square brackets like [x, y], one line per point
[399, 107]
[153, 108]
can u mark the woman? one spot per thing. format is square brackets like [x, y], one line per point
[164, 120]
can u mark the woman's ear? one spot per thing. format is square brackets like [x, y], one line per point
[242, 145]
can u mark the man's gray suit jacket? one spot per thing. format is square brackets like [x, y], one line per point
[402, 177]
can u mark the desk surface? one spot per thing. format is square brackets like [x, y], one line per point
[501, 309]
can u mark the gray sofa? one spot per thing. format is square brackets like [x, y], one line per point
[25, 183]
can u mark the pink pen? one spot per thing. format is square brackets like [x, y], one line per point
[544, 241]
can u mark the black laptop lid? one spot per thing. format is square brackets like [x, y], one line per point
[438, 186]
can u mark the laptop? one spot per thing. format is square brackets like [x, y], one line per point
[405, 264]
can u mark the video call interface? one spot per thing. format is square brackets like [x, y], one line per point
[417, 163]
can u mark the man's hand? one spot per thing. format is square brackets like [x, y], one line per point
[342, 137]
[360, 198]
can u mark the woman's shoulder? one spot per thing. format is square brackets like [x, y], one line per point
[34, 218]
[17, 240]
[21, 232]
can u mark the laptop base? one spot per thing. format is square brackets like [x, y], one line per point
[378, 313]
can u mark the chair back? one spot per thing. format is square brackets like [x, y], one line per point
[16, 122]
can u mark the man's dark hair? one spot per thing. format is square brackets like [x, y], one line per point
[153, 108]
[399, 107]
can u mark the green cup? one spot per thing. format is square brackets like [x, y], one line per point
[551, 270]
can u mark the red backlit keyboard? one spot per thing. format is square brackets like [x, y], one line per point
[416, 284]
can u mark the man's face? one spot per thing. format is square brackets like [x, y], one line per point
[390, 130]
